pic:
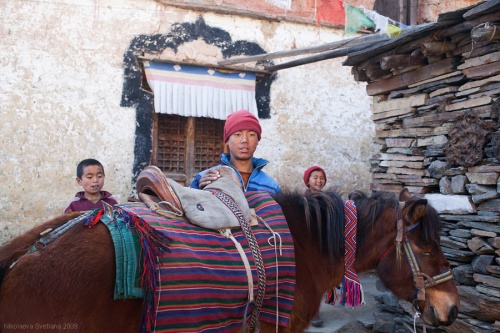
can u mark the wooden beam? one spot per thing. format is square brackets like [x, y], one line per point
[189, 146]
[406, 36]
[307, 60]
[207, 65]
[402, 60]
[364, 40]
[465, 26]
[436, 78]
[437, 48]
[483, 7]
[404, 80]
[482, 60]
[485, 33]
[483, 71]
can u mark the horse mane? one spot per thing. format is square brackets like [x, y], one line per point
[371, 208]
[431, 226]
[18, 246]
[326, 209]
[323, 213]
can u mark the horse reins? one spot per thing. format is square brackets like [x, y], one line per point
[420, 279]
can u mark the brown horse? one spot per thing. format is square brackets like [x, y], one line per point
[69, 284]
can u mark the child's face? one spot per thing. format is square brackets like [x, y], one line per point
[316, 181]
[92, 179]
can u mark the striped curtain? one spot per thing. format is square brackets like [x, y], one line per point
[194, 91]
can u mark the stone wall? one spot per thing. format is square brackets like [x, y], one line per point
[436, 110]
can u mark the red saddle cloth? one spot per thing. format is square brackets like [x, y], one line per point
[202, 286]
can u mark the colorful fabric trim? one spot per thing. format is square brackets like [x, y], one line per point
[127, 250]
[201, 284]
[194, 91]
[351, 291]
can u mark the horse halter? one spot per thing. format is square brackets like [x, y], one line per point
[420, 279]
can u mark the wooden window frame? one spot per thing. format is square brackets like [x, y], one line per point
[190, 161]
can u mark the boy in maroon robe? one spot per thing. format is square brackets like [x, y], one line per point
[90, 176]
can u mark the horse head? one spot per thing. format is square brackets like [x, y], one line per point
[414, 267]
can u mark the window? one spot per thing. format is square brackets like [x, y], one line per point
[184, 146]
[191, 104]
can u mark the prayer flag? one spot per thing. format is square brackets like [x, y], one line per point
[383, 24]
[356, 19]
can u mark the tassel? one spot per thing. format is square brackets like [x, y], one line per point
[332, 296]
[351, 293]
[94, 218]
[153, 244]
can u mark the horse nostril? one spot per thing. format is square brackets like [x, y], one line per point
[452, 315]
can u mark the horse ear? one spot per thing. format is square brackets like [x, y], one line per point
[405, 195]
[417, 210]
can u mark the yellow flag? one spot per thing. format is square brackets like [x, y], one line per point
[393, 31]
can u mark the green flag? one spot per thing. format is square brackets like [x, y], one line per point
[355, 19]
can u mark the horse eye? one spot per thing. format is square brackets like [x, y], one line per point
[425, 252]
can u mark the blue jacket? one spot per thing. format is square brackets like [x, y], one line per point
[258, 181]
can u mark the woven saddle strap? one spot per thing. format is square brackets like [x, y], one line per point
[254, 247]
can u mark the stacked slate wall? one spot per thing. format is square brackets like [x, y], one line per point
[436, 108]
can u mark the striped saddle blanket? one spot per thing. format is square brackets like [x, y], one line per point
[200, 281]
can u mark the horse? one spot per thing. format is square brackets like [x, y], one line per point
[69, 284]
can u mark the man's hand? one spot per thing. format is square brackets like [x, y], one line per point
[209, 177]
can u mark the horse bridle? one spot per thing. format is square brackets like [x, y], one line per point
[420, 279]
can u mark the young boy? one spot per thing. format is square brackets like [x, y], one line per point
[90, 176]
[315, 178]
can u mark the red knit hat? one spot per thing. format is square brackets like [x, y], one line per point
[241, 120]
[308, 172]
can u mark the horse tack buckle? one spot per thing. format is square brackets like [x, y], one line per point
[420, 286]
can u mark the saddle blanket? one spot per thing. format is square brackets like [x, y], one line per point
[202, 283]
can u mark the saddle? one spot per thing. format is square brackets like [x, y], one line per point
[155, 191]
[208, 208]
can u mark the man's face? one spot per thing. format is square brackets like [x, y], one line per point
[92, 179]
[242, 144]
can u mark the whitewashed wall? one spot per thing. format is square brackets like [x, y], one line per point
[61, 67]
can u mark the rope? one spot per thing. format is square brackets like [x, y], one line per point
[227, 233]
[274, 243]
[415, 318]
[254, 247]
[493, 34]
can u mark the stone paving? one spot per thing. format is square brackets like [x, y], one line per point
[340, 319]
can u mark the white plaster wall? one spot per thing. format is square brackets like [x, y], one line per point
[60, 90]
[319, 114]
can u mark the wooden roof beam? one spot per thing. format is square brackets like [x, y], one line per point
[363, 40]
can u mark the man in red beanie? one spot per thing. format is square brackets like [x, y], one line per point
[242, 133]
